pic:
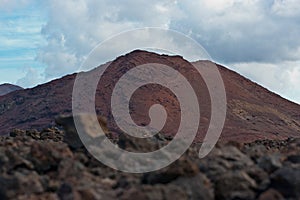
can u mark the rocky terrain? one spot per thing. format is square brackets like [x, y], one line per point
[48, 165]
[253, 112]
[7, 88]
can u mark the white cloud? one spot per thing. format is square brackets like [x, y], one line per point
[31, 78]
[151, 39]
[241, 31]
[76, 27]
[282, 78]
[286, 8]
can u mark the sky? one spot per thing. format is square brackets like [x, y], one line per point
[43, 40]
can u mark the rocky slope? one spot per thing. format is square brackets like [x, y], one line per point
[45, 165]
[253, 112]
[7, 88]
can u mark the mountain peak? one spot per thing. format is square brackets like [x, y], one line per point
[253, 112]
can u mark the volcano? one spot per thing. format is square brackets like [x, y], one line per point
[253, 112]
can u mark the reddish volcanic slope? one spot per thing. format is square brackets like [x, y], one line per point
[7, 88]
[253, 112]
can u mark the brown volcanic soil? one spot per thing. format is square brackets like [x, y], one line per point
[7, 88]
[253, 111]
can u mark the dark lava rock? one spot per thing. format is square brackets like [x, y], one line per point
[47, 155]
[294, 158]
[85, 122]
[187, 168]
[17, 132]
[287, 181]
[235, 185]
[198, 187]
[27, 182]
[47, 165]
[66, 192]
[270, 163]
[156, 192]
[223, 159]
[260, 176]
[271, 194]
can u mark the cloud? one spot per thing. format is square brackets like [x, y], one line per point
[286, 8]
[231, 30]
[73, 33]
[282, 78]
[32, 77]
[242, 31]
[254, 37]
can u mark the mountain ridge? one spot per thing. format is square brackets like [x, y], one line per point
[253, 112]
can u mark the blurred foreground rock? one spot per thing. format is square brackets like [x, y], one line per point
[51, 164]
